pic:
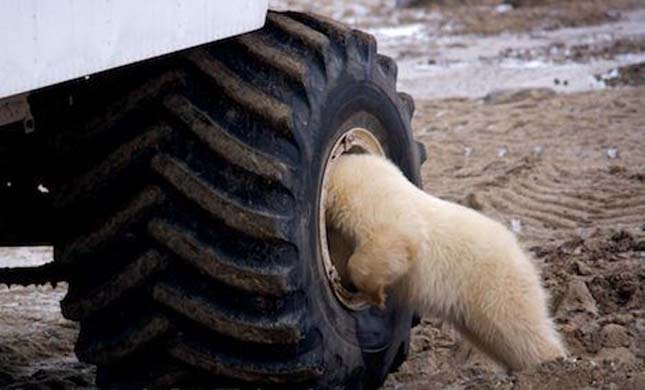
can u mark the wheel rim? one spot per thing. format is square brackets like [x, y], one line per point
[355, 140]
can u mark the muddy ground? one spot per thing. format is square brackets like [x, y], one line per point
[533, 115]
[566, 172]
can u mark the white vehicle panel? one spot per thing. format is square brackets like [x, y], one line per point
[44, 42]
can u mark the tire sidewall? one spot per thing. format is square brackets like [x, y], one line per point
[367, 339]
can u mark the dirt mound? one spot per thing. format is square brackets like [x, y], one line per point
[632, 75]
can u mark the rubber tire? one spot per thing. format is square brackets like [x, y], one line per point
[190, 201]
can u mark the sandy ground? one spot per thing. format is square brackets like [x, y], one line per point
[533, 115]
[566, 172]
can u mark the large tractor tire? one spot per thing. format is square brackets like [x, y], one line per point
[190, 212]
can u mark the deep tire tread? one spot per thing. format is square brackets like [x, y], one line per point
[408, 102]
[197, 354]
[265, 52]
[226, 144]
[315, 42]
[106, 349]
[219, 266]
[245, 218]
[282, 329]
[134, 274]
[274, 112]
[142, 204]
[388, 67]
[203, 155]
[115, 164]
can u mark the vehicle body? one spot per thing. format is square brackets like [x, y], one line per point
[181, 186]
[47, 42]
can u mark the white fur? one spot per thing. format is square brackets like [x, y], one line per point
[442, 258]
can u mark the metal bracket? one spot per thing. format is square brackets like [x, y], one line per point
[16, 109]
[51, 272]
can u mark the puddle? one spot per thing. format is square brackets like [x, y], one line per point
[433, 66]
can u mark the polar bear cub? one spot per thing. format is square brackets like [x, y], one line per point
[443, 259]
